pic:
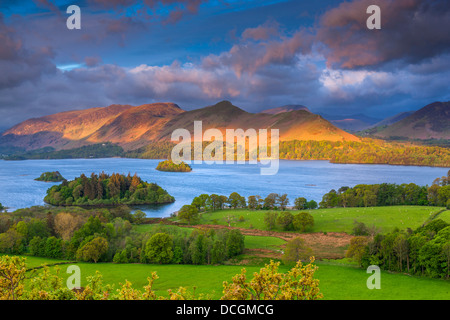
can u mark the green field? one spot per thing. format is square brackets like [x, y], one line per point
[337, 281]
[251, 242]
[445, 216]
[260, 242]
[336, 219]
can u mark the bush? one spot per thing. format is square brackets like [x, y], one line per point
[303, 221]
[360, 229]
[285, 219]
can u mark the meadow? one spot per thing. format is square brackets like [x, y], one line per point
[386, 219]
[338, 281]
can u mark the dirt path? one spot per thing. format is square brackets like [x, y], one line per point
[325, 246]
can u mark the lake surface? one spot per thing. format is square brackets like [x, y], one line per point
[309, 179]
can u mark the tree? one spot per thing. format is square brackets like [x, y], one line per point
[370, 198]
[300, 203]
[252, 203]
[159, 248]
[285, 219]
[234, 243]
[446, 253]
[218, 253]
[53, 248]
[138, 217]
[199, 249]
[296, 250]
[11, 242]
[303, 221]
[66, 224]
[270, 219]
[283, 201]
[270, 201]
[93, 250]
[236, 200]
[188, 213]
[12, 275]
[37, 246]
[269, 284]
[311, 204]
[360, 229]
[357, 248]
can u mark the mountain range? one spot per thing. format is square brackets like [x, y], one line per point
[134, 127]
[430, 122]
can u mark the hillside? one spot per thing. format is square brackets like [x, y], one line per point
[134, 127]
[430, 122]
[391, 120]
[60, 130]
[121, 124]
[293, 125]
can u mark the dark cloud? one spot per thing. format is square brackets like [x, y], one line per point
[411, 31]
[19, 64]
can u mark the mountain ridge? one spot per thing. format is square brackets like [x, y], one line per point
[135, 126]
[429, 122]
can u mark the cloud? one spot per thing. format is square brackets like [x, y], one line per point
[19, 64]
[257, 49]
[411, 31]
[262, 32]
[337, 65]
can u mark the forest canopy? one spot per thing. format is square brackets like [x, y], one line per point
[104, 189]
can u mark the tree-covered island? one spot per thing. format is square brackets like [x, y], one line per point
[53, 176]
[107, 190]
[170, 166]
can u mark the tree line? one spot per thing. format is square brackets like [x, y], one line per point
[104, 189]
[365, 151]
[107, 236]
[205, 202]
[389, 194]
[424, 251]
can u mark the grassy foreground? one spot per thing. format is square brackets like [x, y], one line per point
[337, 281]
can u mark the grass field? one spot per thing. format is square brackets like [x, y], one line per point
[338, 281]
[445, 216]
[336, 219]
[260, 242]
[251, 242]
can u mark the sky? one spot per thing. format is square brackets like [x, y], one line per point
[258, 54]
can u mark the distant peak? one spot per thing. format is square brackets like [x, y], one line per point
[286, 108]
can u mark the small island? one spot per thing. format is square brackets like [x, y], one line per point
[170, 166]
[53, 176]
[107, 190]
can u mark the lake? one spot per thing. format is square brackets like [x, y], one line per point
[309, 179]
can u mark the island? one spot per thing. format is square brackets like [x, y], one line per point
[107, 190]
[170, 166]
[53, 176]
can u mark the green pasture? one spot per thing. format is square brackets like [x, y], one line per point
[338, 280]
[335, 219]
